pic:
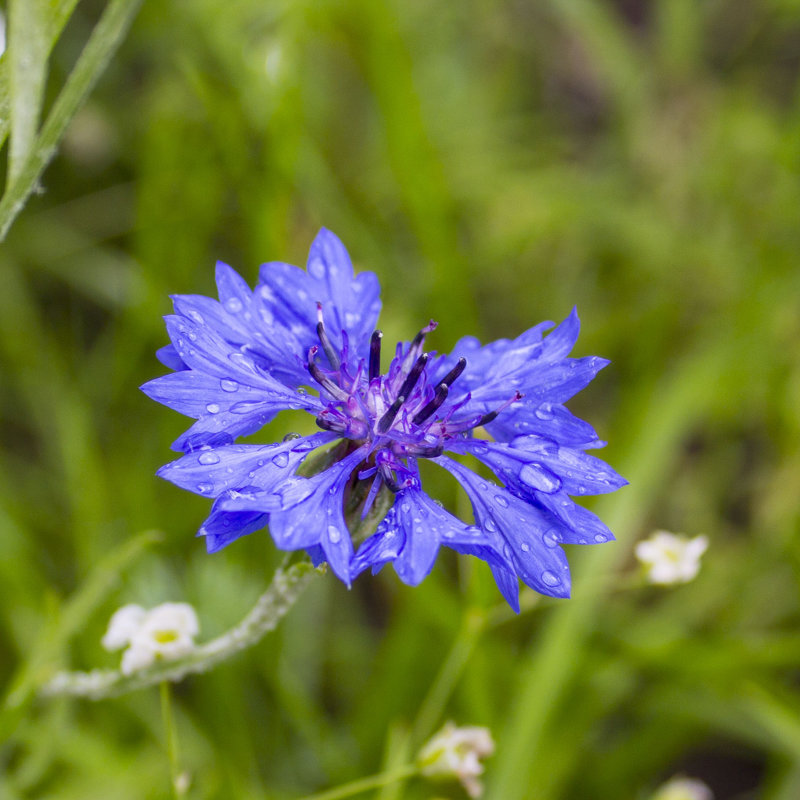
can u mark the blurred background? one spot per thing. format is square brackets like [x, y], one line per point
[495, 163]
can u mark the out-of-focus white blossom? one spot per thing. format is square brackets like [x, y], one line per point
[164, 632]
[671, 557]
[454, 753]
[122, 625]
[682, 788]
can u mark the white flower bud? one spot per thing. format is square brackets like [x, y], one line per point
[454, 753]
[671, 558]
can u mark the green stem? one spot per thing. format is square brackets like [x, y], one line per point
[365, 784]
[171, 736]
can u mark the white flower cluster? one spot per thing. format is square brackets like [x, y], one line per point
[164, 632]
[670, 557]
[681, 788]
[454, 753]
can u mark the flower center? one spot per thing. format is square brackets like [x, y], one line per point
[401, 414]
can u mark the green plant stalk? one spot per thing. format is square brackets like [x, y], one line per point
[104, 41]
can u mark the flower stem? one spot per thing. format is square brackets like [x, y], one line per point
[171, 736]
[365, 784]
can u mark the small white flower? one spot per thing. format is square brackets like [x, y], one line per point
[122, 625]
[670, 557]
[164, 632]
[454, 753]
[681, 788]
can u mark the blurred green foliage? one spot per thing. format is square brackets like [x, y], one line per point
[494, 163]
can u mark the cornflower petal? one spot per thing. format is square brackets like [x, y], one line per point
[260, 468]
[530, 539]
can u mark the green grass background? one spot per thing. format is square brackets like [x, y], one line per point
[495, 163]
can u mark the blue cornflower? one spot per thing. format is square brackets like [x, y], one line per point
[306, 339]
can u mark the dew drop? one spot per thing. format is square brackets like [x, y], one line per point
[212, 408]
[196, 316]
[192, 336]
[333, 534]
[550, 578]
[228, 386]
[525, 547]
[281, 460]
[244, 407]
[405, 507]
[600, 538]
[550, 539]
[290, 437]
[490, 524]
[544, 411]
[316, 268]
[302, 391]
[205, 488]
[536, 477]
[208, 458]
[233, 305]
[501, 501]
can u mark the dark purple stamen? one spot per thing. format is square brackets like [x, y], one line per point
[327, 346]
[487, 418]
[319, 376]
[375, 355]
[385, 422]
[388, 478]
[411, 379]
[455, 372]
[428, 410]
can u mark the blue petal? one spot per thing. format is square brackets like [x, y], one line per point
[223, 527]
[383, 546]
[533, 465]
[169, 357]
[530, 540]
[580, 473]
[257, 468]
[318, 516]
[577, 525]
[349, 303]
[552, 420]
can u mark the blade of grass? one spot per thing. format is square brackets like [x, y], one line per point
[105, 39]
[54, 22]
[27, 53]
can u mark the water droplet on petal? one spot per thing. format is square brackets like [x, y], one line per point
[316, 268]
[501, 501]
[233, 305]
[525, 547]
[208, 459]
[544, 411]
[600, 538]
[334, 534]
[196, 316]
[536, 477]
[205, 488]
[302, 391]
[212, 408]
[550, 538]
[550, 578]
[281, 460]
[490, 524]
[290, 437]
[228, 386]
